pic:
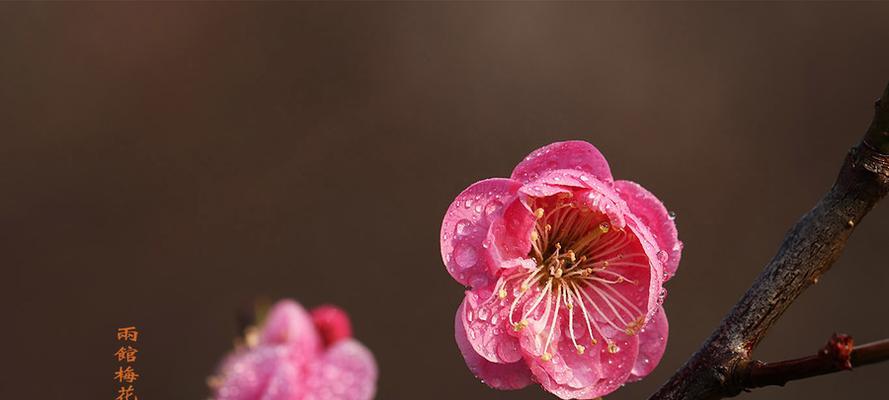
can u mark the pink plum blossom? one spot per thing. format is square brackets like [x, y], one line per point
[565, 270]
[299, 356]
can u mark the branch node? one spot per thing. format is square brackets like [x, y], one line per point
[839, 350]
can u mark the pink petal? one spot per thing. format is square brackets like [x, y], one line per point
[587, 189]
[465, 227]
[246, 374]
[654, 215]
[347, 371]
[652, 343]
[289, 323]
[576, 155]
[487, 329]
[509, 236]
[284, 383]
[656, 290]
[508, 376]
[595, 373]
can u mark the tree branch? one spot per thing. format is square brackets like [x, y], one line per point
[808, 251]
[837, 355]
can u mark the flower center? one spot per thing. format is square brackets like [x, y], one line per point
[580, 261]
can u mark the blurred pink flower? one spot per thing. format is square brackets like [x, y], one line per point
[565, 268]
[298, 356]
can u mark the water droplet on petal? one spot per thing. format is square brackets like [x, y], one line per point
[463, 227]
[483, 314]
[465, 256]
[467, 203]
[671, 215]
[492, 207]
[662, 256]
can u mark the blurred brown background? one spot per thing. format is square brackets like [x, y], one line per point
[164, 164]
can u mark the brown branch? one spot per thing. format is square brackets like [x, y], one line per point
[808, 251]
[837, 355]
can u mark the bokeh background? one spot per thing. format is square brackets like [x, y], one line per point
[165, 164]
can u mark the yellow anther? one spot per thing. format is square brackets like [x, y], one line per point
[520, 325]
[502, 293]
[546, 357]
[593, 341]
[612, 348]
[534, 236]
[580, 349]
[524, 287]
[538, 213]
[571, 256]
[635, 326]
[604, 227]
[570, 306]
[558, 273]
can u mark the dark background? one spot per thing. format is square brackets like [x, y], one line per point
[164, 164]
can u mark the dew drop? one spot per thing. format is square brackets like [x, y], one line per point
[465, 256]
[584, 178]
[463, 227]
[478, 208]
[671, 215]
[467, 203]
[483, 314]
[471, 317]
[492, 207]
[662, 256]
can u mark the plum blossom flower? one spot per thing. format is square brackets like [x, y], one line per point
[565, 269]
[299, 356]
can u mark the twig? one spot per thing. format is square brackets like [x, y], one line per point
[837, 355]
[808, 251]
